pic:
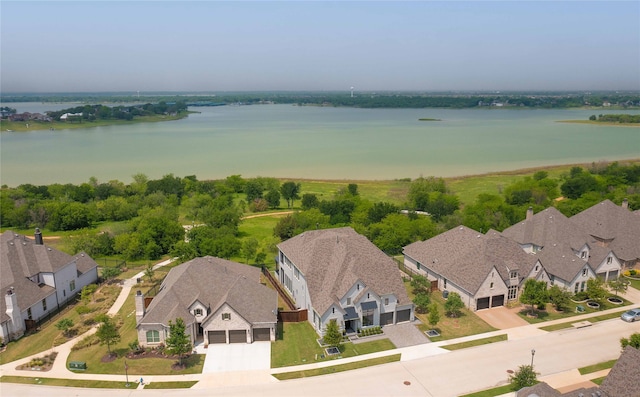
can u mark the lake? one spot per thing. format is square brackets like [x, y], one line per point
[313, 142]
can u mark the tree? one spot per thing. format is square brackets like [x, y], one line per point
[633, 341]
[596, 290]
[525, 376]
[559, 297]
[273, 198]
[434, 315]
[249, 248]
[422, 301]
[87, 293]
[352, 188]
[309, 201]
[149, 272]
[534, 294]
[65, 325]
[618, 285]
[110, 272]
[285, 228]
[420, 284]
[332, 335]
[290, 191]
[453, 305]
[108, 333]
[178, 342]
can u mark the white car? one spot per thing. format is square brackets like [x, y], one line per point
[631, 315]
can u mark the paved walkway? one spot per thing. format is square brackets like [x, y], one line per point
[566, 379]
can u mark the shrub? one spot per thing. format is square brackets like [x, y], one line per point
[82, 309]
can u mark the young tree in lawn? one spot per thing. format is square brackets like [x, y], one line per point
[534, 294]
[525, 376]
[65, 325]
[453, 305]
[149, 272]
[618, 286]
[178, 341]
[250, 248]
[596, 290]
[420, 284]
[290, 191]
[107, 333]
[110, 272]
[559, 297]
[332, 335]
[434, 315]
[422, 301]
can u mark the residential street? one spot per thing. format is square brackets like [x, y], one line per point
[430, 369]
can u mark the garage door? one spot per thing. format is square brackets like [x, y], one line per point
[497, 300]
[217, 337]
[403, 315]
[238, 336]
[261, 334]
[386, 318]
[482, 303]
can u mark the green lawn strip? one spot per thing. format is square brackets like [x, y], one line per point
[477, 342]
[298, 346]
[450, 327]
[551, 314]
[93, 384]
[556, 327]
[496, 391]
[338, 368]
[598, 381]
[170, 385]
[597, 367]
[568, 324]
[93, 354]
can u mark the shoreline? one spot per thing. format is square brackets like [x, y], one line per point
[607, 123]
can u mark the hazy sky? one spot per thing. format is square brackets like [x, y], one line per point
[53, 46]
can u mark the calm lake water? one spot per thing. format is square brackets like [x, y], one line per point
[313, 142]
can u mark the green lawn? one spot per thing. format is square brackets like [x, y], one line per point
[93, 354]
[392, 191]
[496, 391]
[95, 384]
[450, 328]
[298, 346]
[597, 367]
[338, 368]
[477, 342]
[551, 314]
[170, 385]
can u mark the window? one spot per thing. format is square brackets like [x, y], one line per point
[72, 285]
[537, 267]
[584, 272]
[491, 286]
[583, 254]
[513, 274]
[445, 283]
[64, 292]
[348, 301]
[198, 312]
[386, 301]
[29, 316]
[153, 336]
[582, 286]
[552, 279]
[609, 259]
[333, 310]
[513, 292]
[44, 305]
[226, 316]
[296, 272]
[368, 295]
[576, 288]
[358, 287]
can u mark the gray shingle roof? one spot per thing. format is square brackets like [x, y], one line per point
[213, 282]
[333, 260]
[465, 256]
[561, 261]
[21, 258]
[624, 378]
[608, 221]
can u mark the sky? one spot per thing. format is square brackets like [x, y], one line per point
[212, 46]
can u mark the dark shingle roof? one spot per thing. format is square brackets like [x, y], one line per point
[624, 378]
[465, 256]
[21, 258]
[540, 389]
[213, 282]
[607, 221]
[333, 260]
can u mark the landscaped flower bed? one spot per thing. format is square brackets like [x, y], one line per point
[364, 332]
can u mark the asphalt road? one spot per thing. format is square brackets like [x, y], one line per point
[442, 375]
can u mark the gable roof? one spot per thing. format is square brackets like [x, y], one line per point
[212, 282]
[333, 260]
[21, 258]
[607, 221]
[561, 261]
[548, 226]
[624, 378]
[465, 256]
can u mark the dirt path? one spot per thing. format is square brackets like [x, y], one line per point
[269, 214]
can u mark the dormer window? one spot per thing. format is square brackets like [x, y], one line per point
[198, 312]
[584, 272]
[513, 274]
[226, 316]
[609, 260]
[583, 254]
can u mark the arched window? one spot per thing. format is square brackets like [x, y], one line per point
[153, 336]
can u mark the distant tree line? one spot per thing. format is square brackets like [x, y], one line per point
[616, 118]
[144, 219]
[102, 112]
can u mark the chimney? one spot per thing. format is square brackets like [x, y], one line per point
[529, 213]
[38, 236]
[625, 204]
[16, 327]
[139, 300]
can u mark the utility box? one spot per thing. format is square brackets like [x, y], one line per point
[77, 365]
[445, 294]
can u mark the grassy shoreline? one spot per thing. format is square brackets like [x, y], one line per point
[21, 126]
[607, 123]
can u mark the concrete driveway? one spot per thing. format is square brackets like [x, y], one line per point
[237, 357]
[501, 317]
